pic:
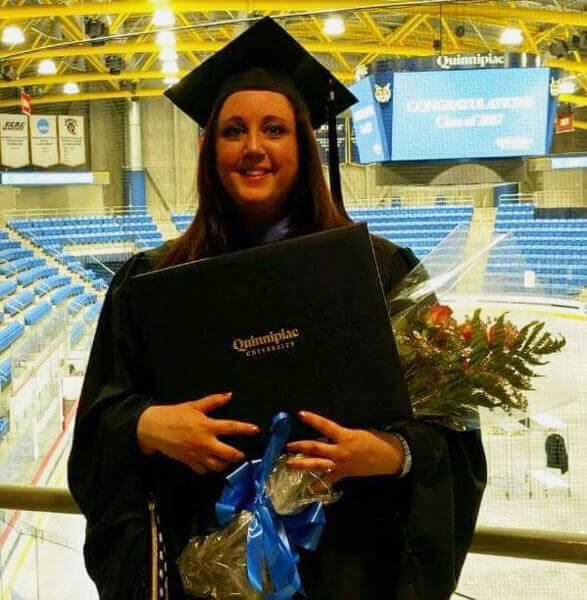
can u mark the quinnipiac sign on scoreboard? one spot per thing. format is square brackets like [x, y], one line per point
[14, 141]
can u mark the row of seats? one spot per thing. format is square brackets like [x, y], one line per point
[32, 275]
[17, 303]
[22, 264]
[80, 301]
[65, 292]
[9, 334]
[553, 248]
[5, 372]
[51, 283]
[35, 314]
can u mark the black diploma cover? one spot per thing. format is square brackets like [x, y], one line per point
[293, 325]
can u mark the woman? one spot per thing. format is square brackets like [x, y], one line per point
[401, 530]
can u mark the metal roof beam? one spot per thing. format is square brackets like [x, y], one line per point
[126, 75]
[214, 46]
[457, 10]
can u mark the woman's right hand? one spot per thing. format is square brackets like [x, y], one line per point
[186, 433]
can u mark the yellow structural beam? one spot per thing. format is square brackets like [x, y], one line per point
[567, 65]
[580, 124]
[573, 99]
[458, 10]
[214, 46]
[127, 75]
[55, 99]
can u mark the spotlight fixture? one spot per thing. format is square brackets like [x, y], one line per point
[333, 26]
[170, 80]
[511, 36]
[437, 45]
[163, 17]
[165, 38]
[167, 54]
[170, 67]
[47, 67]
[70, 88]
[559, 48]
[7, 73]
[95, 28]
[567, 86]
[460, 31]
[12, 35]
[114, 63]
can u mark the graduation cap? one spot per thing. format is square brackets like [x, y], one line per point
[266, 57]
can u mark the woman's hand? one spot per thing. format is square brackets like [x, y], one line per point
[186, 433]
[348, 453]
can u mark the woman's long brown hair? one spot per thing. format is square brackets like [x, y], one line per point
[217, 227]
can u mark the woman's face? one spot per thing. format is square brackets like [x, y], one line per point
[257, 153]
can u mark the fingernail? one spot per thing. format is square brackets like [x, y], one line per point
[227, 394]
[302, 413]
[255, 428]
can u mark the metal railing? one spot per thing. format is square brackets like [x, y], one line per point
[516, 543]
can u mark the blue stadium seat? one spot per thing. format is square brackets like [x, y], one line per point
[35, 314]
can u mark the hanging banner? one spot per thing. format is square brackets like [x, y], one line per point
[25, 103]
[72, 143]
[44, 151]
[14, 141]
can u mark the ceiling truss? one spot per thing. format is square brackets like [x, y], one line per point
[371, 34]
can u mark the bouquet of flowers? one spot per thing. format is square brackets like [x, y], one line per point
[267, 510]
[455, 370]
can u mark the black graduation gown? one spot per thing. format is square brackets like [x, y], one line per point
[387, 538]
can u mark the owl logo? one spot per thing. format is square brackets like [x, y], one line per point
[383, 93]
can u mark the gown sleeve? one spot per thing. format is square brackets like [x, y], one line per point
[107, 472]
[441, 494]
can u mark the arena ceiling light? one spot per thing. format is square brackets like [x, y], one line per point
[333, 26]
[170, 67]
[170, 80]
[47, 67]
[165, 38]
[167, 54]
[568, 86]
[70, 88]
[12, 35]
[163, 17]
[511, 37]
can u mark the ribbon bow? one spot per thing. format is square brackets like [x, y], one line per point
[272, 539]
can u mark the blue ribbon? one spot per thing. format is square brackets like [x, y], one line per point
[272, 539]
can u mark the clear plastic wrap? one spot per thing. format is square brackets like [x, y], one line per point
[215, 566]
[483, 365]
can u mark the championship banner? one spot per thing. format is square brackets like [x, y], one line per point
[72, 143]
[14, 141]
[44, 151]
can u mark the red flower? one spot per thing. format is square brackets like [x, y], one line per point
[467, 330]
[438, 315]
[491, 334]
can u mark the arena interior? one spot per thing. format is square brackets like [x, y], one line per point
[471, 128]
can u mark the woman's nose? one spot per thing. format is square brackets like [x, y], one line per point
[253, 144]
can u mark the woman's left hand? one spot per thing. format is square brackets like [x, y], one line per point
[348, 452]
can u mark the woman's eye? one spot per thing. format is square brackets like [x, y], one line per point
[232, 131]
[275, 129]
